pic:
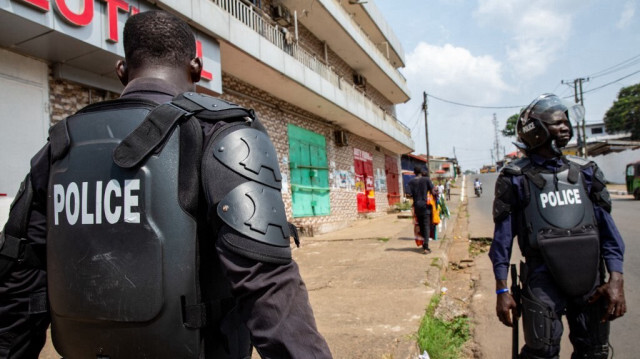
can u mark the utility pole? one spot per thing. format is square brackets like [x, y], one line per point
[579, 98]
[426, 123]
[584, 126]
[497, 144]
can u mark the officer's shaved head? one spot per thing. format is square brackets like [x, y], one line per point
[158, 38]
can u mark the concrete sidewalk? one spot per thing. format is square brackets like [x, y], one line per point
[369, 284]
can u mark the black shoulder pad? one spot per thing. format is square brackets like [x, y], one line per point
[250, 153]
[515, 167]
[582, 162]
[209, 108]
[59, 139]
[599, 193]
[503, 199]
[257, 211]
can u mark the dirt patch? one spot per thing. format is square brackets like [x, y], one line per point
[478, 246]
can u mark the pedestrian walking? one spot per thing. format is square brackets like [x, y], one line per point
[447, 189]
[419, 187]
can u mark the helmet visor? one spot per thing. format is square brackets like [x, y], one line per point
[544, 106]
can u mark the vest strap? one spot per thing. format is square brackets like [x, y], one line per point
[155, 128]
[534, 176]
[574, 173]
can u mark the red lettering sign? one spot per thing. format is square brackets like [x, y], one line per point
[39, 4]
[205, 74]
[112, 17]
[82, 19]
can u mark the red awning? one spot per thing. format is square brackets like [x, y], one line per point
[440, 172]
[445, 165]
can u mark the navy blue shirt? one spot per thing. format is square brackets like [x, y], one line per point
[611, 243]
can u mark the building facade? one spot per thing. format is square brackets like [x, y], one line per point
[322, 75]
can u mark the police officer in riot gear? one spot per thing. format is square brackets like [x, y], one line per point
[165, 230]
[559, 208]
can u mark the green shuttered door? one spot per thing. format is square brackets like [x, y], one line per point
[309, 172]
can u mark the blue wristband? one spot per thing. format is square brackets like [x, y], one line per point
[503, 290]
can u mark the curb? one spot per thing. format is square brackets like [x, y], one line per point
[437, 272]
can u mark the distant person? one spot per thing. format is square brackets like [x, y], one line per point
[558, 207]
[419, 187]
[477, 185]
[160, 241]
[447, 189]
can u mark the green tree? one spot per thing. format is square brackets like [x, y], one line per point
[510, 128]
[624, 115]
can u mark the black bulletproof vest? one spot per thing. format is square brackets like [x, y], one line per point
[561, 227]
[121, 248]
[559, 204]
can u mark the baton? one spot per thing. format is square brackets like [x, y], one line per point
[515, 292]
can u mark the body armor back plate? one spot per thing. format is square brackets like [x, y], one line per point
[121, 250]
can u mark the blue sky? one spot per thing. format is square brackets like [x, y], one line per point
[505, 53]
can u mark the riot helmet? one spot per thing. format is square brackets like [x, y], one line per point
[532, 124]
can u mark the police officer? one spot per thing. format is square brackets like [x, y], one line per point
[419, 187]
[559, 208]
[252, 293]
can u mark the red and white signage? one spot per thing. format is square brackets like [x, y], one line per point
[101, 22]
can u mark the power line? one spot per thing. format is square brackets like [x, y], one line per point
[474, 106]
[620, 66]
[612, 82]
[521, 106]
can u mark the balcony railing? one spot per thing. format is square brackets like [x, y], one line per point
[365, 36]
[276, 36]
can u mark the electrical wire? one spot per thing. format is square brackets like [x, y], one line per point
[414, 119]
[620, 66]
[521, 106]
[610, 83]
[474, 106]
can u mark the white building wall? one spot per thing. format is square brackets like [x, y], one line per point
[24, 123]
[614, 165]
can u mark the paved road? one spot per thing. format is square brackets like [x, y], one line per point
[493, 337]
[480, 219]
[624, 334]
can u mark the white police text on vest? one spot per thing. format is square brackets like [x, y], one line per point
[560, 198]
[74, 200]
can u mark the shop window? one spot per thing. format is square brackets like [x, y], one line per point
[309, 173]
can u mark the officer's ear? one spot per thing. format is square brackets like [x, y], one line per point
[195, 69]
[122, 72]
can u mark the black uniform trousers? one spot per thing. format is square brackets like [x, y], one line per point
[586, 333]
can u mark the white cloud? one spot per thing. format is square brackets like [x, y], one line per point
[455, 72]
[627, 14]
[537, 31]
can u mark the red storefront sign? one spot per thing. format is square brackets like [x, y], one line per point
[86, 14]
[363, 164]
